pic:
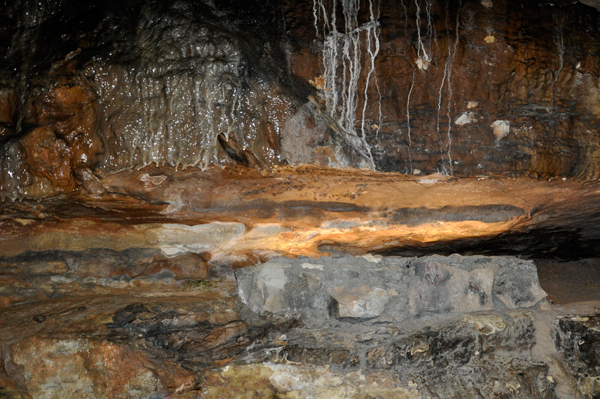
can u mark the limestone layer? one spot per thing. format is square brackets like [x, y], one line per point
[344, 327]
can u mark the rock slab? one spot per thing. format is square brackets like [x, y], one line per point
[395, 289]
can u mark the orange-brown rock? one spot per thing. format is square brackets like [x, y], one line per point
[240, 214]
[216, 236]
[82, 368]
[457, 88]
[524, 64]
[66, 139]
[69, 110]
[49, 156]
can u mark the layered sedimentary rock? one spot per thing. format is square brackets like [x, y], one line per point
[343, 326]
[205, 199]
[248, 216]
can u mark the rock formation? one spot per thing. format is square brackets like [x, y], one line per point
[299, 199]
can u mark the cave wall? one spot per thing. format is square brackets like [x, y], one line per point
[187, 260]
[502, 87]
[107, 86]
[470, 88]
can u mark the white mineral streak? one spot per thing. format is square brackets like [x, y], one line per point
[447, 168]
[412, 85]
[343, 64]
[423, 53]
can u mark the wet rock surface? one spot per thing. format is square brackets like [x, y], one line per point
[208, 199]
[180, 84]
[470, 87]
[576, 340]
[455, 88]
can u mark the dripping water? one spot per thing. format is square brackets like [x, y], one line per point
[446, 82]
[342, 63]
[456, 39]
[412, 85]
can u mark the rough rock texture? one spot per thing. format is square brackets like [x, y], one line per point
[161, 235]
[90, 370]
[159, 337]
[244, 216]
[474, 87]
[115, 85]
[171, 283]
[398, 289]
[90, 89]
[577, 341]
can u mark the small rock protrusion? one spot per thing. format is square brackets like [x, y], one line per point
[89, 181]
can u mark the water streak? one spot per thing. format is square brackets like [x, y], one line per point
[412, 85]
[451, 61]
[343, 65]
[447, 166]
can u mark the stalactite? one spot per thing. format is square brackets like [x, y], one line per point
[446, 82]
[342, 52]
[450, 62]
[412, 85]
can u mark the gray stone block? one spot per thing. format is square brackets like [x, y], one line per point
[358, 289]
